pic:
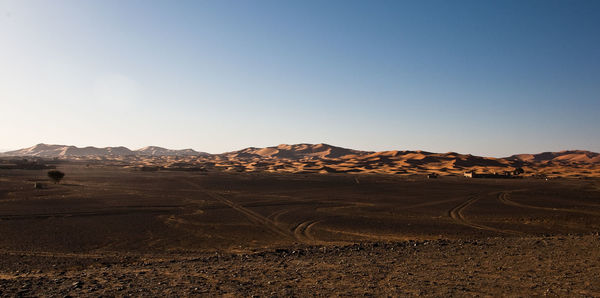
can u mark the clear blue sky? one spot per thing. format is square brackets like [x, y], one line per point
[484, 77]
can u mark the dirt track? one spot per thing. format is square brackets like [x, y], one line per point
[456, 213]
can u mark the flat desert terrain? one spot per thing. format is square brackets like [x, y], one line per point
[114, 230]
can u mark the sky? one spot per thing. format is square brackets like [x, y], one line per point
[491, 78]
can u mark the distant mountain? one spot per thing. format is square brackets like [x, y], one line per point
[567, 156]
[44, 150]
[296, 151]
[159, 151]
[49, 151]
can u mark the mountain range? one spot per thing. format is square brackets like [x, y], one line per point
[50, 151]
[315, 151]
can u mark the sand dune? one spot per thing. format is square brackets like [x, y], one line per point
[297, 151]
[159, 151]
[323, 158]
[567, 156]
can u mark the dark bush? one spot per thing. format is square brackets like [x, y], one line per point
[56, 176]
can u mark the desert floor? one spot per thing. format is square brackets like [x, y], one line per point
[107, 230]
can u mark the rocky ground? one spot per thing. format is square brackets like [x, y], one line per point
[513, 266]
[111, 231]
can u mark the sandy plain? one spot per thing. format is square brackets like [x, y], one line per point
[113, 229]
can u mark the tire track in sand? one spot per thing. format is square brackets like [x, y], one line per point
[428, 204]
[251, 215]
[457, 215]
[504, 197]
[302, 231]
[276, 215]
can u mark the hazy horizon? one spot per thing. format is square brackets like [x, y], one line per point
[484, 78]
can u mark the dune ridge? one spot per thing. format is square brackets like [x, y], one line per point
[324, 158]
